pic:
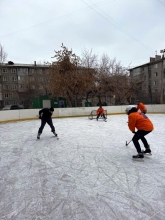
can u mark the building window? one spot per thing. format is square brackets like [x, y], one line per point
[23, 70]
[14, 102]
[156, 65]
[155, 74]
[149, 75]
[4, 70]
[20, 86]
[155, 83]
[6, 87]
[5, 78]
[6, 103]
[32, 86]
[6, 95]
[14, 87]
[13, 70]
[31, 71]
[14, 78]
[21, 78]
[32, 78]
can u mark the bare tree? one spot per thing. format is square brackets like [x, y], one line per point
[89, 59]
[113, 81]
[3, 54]
[87, 78]
[68, 78]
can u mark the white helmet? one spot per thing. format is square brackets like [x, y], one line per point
[129, 108]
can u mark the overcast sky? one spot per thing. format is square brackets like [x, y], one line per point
[130, 30]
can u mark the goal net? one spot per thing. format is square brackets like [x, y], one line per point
[93, 114]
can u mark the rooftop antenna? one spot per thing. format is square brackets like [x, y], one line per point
[156, 52]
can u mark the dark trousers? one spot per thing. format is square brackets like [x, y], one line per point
[139, 135]
[43, 122]
[101, 115]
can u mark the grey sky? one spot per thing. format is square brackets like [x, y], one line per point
[130, 30]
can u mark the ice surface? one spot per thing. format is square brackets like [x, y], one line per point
[88, 174]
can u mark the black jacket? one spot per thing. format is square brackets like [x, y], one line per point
[45, 114]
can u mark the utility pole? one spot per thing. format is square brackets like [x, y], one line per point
[161, 88]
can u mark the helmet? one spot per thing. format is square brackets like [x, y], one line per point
[130, 108]
[51, 109]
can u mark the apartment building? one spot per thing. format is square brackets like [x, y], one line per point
[20, 83]
[150, 80]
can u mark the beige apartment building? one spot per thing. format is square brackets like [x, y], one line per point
[20, 83]
[150, 80]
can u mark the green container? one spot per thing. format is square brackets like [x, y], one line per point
[88, 104]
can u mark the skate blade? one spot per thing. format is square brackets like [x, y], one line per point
[147, 154]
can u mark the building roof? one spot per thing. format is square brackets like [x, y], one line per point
[12, 64]
[152, 61]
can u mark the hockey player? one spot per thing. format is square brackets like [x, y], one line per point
[141, 107]
[143, 125]
[100, 111]
[45, 116]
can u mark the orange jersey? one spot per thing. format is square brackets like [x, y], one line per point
[139, 121]
[141, 106]
[100, 111]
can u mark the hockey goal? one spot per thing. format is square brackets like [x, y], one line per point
[93, 114]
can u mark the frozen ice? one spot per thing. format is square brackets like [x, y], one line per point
[88, 174]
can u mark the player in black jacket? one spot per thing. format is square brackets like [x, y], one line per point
[45, 115]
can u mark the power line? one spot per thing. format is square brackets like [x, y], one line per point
[146, 46]
[57, 18]
[162, 3]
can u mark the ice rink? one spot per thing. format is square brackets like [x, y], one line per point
[88, 174]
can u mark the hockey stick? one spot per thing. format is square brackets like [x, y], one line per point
[126, 144]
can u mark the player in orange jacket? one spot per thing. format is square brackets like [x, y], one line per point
[139, 121]
[100, 111]
[141, 107]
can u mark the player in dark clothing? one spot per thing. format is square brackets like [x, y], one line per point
[45, 116]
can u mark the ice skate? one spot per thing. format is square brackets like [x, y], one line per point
[147, 151]
[38, 136]
[55, 134]
[139, 156]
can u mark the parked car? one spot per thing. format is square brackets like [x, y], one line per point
[13, 107]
